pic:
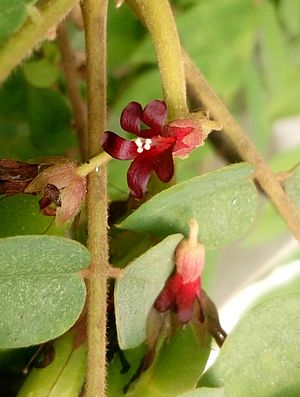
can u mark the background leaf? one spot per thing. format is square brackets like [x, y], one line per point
[137, 289]
[292, 186]
[21, 215]
[54, 379]
[42, 296]
[223, 201]
[13, 14]
[260, 357]
[205, 392]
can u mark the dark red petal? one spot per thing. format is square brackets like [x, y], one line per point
[118, 147]
[139, 173]
[131, 117]
[154, 115]
[159, 156]
[164, 165]
[186, 298]
[167, 298]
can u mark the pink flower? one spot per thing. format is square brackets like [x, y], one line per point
[155, 146]
[183, 288]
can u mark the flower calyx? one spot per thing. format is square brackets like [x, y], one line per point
[62, 188]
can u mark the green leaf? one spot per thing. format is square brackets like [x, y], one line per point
[64, 376]
[292, 187]
[137, 289]
[41, 293]
[13, 14]
[143, 89]
[258, 120]
[205, 392]
[177, 367]
[50, 122]
[117, 378]
[41, 73]
[274, 50]
[290, 13]
[286, 160]
[20, 214]
[261, 356]
[223, 202]
[121, 24]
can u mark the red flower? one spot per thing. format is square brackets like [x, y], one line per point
[154, 147]
[184, 287]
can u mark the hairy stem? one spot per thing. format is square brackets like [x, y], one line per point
[95, 17]
[158, 18]
[36, 29]
[245, 148]
[71, 75]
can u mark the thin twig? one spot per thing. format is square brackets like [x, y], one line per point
[21, 44]
[265, 177]
[95, 17]
[71, 75]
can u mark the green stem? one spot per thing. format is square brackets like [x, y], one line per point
[263, 174]
[95, 18]
[157, 16]
[93, 164]
[32, 33]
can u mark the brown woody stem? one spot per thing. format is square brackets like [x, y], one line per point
[71, 75]
[95, 18]
[263, 174]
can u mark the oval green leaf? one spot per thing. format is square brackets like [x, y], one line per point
[261, 356]
[137, 288]
[42, 294]
[223, 202]
[178, 365]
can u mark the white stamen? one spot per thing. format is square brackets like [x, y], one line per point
[147, 145]
[97, 168]
[142, 144]
[139, 142]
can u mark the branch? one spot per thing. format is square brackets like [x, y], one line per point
[71, 75]
[158, 18]
[32, 33]
[95, 16]
[245, 148]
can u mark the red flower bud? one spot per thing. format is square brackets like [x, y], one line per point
[184, 287]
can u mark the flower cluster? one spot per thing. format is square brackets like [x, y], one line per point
[154, 147]
[183, 288]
